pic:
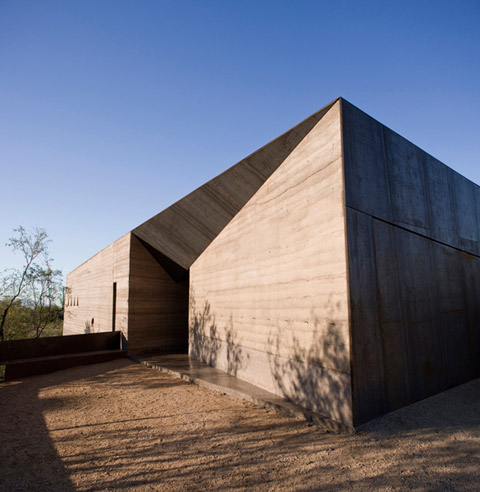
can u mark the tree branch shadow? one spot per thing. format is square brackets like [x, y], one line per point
[206, 343]
[316, 375]
[222, 444]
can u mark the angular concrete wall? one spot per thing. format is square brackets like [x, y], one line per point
[151, 308]
[269, 295]
[413, 245]
[90, 291]
[164, 247]
[183, 231]
[337, 266]
[158, 304]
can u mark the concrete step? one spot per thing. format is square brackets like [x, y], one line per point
[22, 368]
[194, 371]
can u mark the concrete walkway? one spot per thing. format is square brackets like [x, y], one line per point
[193, 371]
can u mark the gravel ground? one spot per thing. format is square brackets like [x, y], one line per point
[121, 426]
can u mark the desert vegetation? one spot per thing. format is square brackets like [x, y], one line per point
[31, 296]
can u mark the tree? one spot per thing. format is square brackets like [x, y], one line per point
[33, 290]
[41, 296]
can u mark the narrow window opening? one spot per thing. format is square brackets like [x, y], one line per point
[114, 305]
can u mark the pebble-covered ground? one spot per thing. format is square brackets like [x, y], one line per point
[121, 426]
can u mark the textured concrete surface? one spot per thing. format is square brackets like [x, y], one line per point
[43, 365]
[158, 304]
[391, 179]
[48, 346]
[337, 266]
[273, 284]
[183, 231]
[89, 296]
[151, 309]
[413, 242]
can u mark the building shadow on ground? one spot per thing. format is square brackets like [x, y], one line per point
[178, 436]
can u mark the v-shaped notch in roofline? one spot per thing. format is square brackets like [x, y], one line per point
[185, 229]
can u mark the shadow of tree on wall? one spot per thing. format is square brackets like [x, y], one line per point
[315, 376]
[203, 334]
[90, 326]
[236, 359]
[205, 340]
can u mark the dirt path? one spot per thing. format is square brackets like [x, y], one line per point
[121, 426]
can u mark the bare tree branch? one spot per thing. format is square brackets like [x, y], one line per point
[36, 283]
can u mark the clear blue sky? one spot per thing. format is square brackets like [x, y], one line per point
[112, 110]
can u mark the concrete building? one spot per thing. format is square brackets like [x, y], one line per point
[337, 266]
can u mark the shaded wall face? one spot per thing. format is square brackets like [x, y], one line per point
[89, 296]
[389, 178]
[268, 298]
[413, 246]
[158, 313]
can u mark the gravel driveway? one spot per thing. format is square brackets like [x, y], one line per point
[121, 426]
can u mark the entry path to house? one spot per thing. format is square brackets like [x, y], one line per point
[191, 370]
[121, 426]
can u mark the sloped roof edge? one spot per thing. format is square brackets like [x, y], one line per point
[182, 231]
